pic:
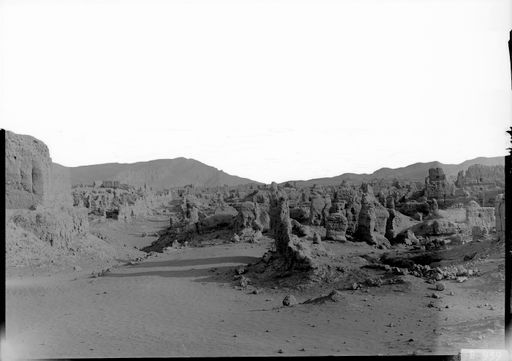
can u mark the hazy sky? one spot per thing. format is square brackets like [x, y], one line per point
[263, 89]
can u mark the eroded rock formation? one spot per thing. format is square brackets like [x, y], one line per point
[437, 186]
[291, 251]
[27, 171]
[500, 216]
[372, 221]
[480, 216]
[40, 216]
[336, 226]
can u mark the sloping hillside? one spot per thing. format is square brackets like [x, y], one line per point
[414, 172]
[159, 174]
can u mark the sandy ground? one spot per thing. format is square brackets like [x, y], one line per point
[184, 303]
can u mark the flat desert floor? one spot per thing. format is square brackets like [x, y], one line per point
[185, 303]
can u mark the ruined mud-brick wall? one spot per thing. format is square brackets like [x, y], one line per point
[437, 186]
[480, 216]
[372, 220]
[126, 203]
[58, 227]
[499, 211]
[143, 205]
[31, 177]
[349, 199]
[38, 193]
[482, 183]
[481, 175]
[27, 171]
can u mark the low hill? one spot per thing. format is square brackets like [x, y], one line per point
[415, 172]
[159, 174]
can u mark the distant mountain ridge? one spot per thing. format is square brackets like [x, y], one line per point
[415, 172]
[178, 172]
[159, 174]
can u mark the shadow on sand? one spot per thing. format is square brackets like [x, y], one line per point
[204, 274]
[197, 262]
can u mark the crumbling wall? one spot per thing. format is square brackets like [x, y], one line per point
[482, 175]
[480, 216]
[336, 226]
[55, 226]
[27, 171]
[437, 186]
[372, 221]
[500, 216]
[319, 209]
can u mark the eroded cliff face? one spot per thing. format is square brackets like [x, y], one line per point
[39, 208]
[27, 171]
[32, 179]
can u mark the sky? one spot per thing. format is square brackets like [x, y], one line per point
[270, 90]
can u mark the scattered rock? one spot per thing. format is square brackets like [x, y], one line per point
[440, 286]
[244, 282]
[289, 301]
[240, 270]
[336, 296]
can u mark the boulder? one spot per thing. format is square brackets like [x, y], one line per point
[289, 301]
